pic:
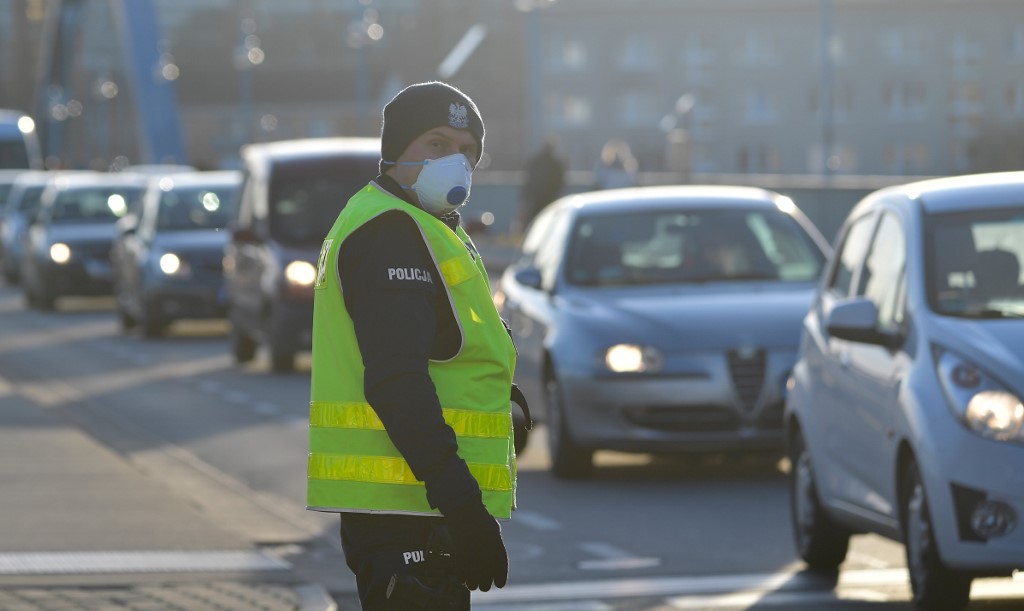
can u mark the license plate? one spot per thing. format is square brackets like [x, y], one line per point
[98, 269]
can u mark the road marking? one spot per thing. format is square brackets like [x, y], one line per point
[269, 409]
[236, 396]
[612, 558]
[535, 520]
[731, 591]
[158, 561]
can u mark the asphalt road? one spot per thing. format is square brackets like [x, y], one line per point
[641, 534]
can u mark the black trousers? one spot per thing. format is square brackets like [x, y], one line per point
[402, 563]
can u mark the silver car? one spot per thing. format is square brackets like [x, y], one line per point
[660, 319]
[904, 414]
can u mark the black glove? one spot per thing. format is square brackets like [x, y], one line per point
[480, 557]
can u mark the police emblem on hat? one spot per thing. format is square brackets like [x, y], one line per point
[458, 116]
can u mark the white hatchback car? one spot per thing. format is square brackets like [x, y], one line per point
[904, 410]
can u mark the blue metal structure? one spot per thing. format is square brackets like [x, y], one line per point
[157, 128]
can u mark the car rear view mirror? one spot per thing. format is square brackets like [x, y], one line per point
[528, 276]
[856, 320]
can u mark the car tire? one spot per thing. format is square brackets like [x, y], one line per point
[242, 346]
[933, 585]
[568, 460]
[151, 324]
[282, 359]
[819, 540]
[125, 319]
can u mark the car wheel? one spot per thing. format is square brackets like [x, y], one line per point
[282, 359]
[126, 320]
[934, 586]
[152, 325]
[819, 540]
[43, 298]
[568, 460]
[242, 346]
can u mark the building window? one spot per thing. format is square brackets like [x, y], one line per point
[965, 100]
[842, 102]
[639, 54]
[638, 109]
[759, 159]
[903, 45]
[567, 111]
[697, 52]
[905, 158]
[963, 50]
[905, 101]
[757, 47]
[566, 56]
[760, 107]
[843, 159]
[1015, 98]
[1016, 50]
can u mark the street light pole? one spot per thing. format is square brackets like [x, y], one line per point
[827, 129]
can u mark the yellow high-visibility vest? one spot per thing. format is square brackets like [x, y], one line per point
[353, 466]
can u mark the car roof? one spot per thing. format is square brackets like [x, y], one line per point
[304, 148]
[79, 180]
[673, 196]
[959, 193]
[199, 179]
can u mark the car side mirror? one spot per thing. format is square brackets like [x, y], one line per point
[856, 320]
[529, 276]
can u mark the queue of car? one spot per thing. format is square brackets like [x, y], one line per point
[679, 319]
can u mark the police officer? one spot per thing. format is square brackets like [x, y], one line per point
[410, 424]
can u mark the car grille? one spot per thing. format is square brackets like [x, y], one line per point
[688, 419]
[747, 370]
[92, 250]
[211, 261]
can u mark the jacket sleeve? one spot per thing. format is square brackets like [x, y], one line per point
[391, 288]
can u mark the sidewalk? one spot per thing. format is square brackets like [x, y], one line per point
[80, 528]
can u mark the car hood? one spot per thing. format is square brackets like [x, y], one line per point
[82, 232]
[994, 344]
[708, 317]
[195, 240]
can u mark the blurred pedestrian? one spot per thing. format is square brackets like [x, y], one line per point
[410, 423]
[617, 167]
[543, 181]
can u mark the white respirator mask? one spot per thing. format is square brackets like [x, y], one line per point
[443, 184]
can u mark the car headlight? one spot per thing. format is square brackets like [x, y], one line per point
[60, 253]
[300, 273]
[632, 358]
[173, 265]
[981, 402]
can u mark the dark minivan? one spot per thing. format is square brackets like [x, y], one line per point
[292, 193]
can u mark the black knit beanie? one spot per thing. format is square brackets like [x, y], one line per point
[419, 108]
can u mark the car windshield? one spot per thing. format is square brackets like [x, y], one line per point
[30, 198]
[195, 208]
[973, 263]
[93, 204]
[690, 246]
[306, 197]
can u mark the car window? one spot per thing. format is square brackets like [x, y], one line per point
[535, 234]
[703, 245]
[549, 254]
[195, 208]
[5, 189]
[92, 205]
[973, 263]
[851, 253]
[306, 197]
[30, 198]
[882, 274]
